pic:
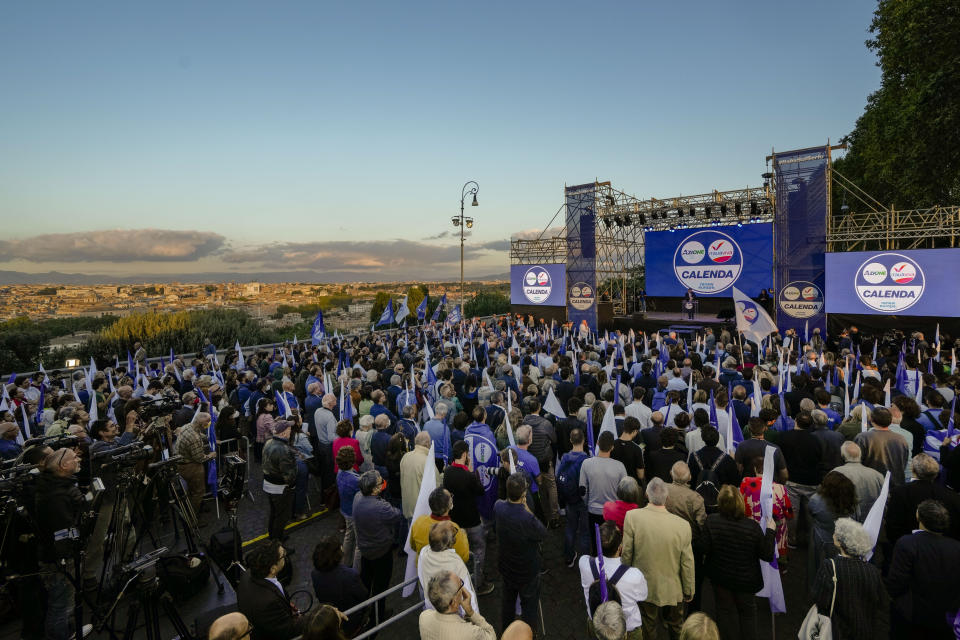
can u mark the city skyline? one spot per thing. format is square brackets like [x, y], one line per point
[332, 140]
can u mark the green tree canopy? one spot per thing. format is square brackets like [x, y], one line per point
[905, 148]
[486, 303]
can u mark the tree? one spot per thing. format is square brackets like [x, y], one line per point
[415, 295]
[486, 303]
[379, 304]
[905, 148]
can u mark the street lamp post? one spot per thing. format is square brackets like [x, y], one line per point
[465, 222]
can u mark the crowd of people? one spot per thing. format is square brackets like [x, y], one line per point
[670, 462]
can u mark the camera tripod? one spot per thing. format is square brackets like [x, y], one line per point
[150, 596]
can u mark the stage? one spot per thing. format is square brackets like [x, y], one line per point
[663, 321]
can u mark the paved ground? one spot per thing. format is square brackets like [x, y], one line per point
[561, 596]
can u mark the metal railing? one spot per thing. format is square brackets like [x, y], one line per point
[379, 626]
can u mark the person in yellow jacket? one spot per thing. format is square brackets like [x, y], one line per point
[441, 502]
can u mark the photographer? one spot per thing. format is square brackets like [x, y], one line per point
[9, 447]
[105, 438]
[193, 448]
[279, 477]
[59, 504]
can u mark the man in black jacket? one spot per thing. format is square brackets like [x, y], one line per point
[901, 516]
[466, 488]
[59, 504]
[262, 598]
[543, 447]
[519, 534]
[279, 479]
[924, 590]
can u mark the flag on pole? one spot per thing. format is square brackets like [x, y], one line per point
[772, 585]
[240, 363]
[609, 423]
[427, 485]
[440, 306]
[454, 316]
[402, 311]
[387, 316]
[282, 402]
[26, 425]
[552, 405]
[734, 433]
[318, 332]
[752, 320]
[871, 523]
[422, 309]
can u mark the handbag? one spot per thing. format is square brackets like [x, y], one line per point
[817, 626]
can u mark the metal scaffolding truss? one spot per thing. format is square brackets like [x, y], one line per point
[717, 208]
[542, 251]
[936, 227]
[884, 228]
[622, 220]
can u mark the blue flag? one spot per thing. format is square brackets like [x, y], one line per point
[454, 316]
[130, 368]
[422, 309]
[387, 316]
[436, 312]
[318, 331]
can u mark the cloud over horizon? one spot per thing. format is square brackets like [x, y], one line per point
[115, 245]
[369, 256]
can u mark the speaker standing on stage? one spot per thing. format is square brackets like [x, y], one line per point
[689, 303]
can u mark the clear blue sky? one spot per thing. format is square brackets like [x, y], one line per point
[331, 136]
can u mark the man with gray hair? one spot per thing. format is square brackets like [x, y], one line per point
[867, 482]
[660, 545]
[439, 433]
[411, 473]
[901, 518]
[448, 595]
[830, 441]
[440, 556]
[609, 622]
[376, 521]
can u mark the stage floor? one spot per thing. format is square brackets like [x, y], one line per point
[659, 320]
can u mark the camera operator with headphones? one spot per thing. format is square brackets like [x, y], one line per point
[59, 505]
[105, 438]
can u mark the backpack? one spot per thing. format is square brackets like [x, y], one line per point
[708, 483]
[612, 593]
[659, 399]
[568, 479]
[183, 576]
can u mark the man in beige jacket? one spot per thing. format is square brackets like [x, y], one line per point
[659, 544]
[447, 594]
[411, 473]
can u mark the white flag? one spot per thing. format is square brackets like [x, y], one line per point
[871, 523]
[427, 485]
[609, 423]
[752, 321]
[552, 405]
[772, 585]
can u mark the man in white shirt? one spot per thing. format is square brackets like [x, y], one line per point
[639, 410]
[631, 585]
[439, 557]
[676, 382]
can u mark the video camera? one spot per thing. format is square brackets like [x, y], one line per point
[59, 441]
[127, 455]
[159, 407]
[14, 477]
